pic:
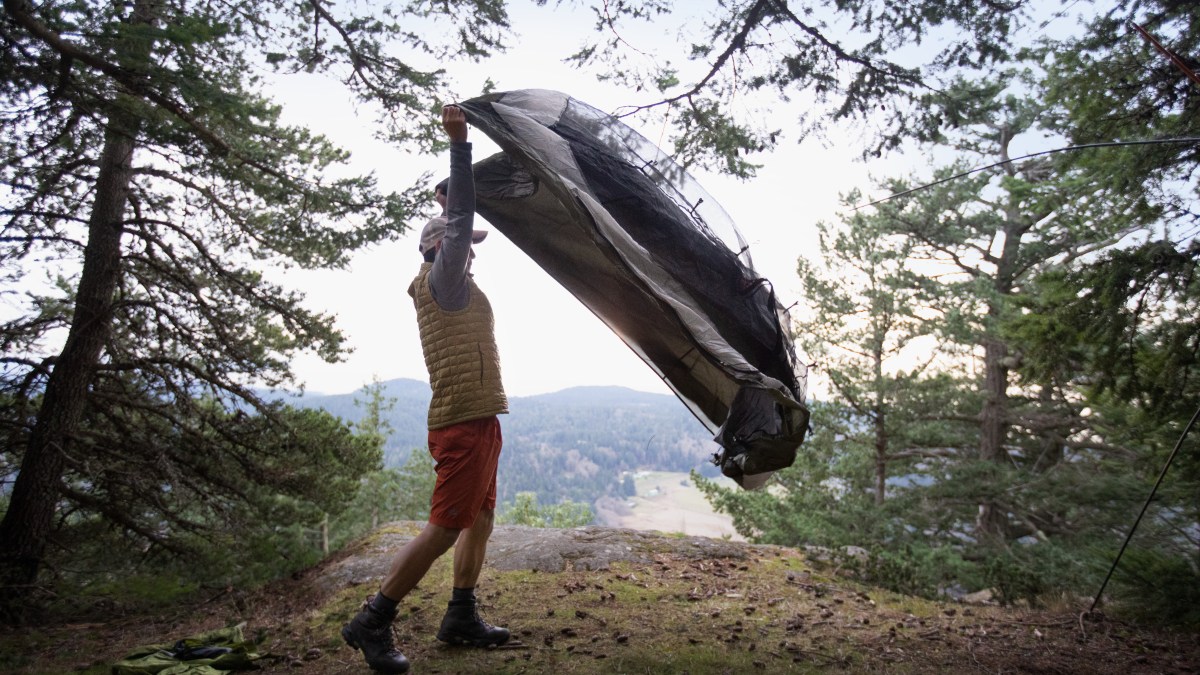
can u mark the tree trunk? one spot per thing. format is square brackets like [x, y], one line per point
[993, 418]
[30, 513]
[880, 404]
[992, 522]
[27, 523]
[993, 431]
[325, 535]
[881, 446]
[1052, 451]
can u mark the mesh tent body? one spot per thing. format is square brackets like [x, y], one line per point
[623, 228]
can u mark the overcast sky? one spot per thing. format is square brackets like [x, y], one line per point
[548, 341]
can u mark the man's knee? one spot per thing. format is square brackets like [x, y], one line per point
[483, 521]
[442, 537]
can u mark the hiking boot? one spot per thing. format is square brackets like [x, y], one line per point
[462, 626]
[371, 631]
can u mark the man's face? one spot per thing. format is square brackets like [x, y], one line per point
[441, 198]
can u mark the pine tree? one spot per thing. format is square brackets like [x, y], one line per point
[1113, 84]
[867, 312]
[845, 62]
[143, 165]
[1010, 474]
[987, 237]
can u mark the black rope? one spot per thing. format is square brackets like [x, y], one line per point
[1145, 506]
[1107, 144]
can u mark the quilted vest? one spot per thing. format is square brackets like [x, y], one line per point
[461, 355]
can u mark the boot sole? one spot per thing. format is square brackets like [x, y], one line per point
[467, 642]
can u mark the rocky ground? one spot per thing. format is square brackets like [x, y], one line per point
[594, 600]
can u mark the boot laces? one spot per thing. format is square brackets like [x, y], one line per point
[383, 635]
[476, 619]
[378, 627]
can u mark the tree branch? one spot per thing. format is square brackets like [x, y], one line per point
[119, 516]
[738, 43]
[21, 13]
[841, 54]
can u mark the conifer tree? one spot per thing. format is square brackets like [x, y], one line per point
[850, 62]
[143, 166]
[867, 314]
[991, 461]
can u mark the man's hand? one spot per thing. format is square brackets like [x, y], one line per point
[454, 121]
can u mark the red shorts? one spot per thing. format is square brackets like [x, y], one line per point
[467, 454]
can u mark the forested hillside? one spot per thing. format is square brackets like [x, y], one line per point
[571, 444]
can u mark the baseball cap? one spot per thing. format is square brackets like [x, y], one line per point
[435, 229]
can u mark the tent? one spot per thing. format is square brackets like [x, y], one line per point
[627, 231]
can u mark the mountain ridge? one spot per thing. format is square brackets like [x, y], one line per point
[576, 443]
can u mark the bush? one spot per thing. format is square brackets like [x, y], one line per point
[915, 570]
[1152, 586]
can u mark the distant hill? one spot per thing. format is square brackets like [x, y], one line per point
[406, 417]
[570, 444]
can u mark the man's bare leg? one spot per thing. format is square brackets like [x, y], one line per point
[414, 559]
[462, 624]
[371, 629]
[471, 549]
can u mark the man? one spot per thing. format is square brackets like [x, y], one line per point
[455, 322]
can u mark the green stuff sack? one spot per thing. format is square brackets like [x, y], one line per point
[212, 653]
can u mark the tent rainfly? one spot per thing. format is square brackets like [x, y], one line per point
[626, 230]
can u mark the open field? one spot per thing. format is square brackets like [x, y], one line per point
[670, 502]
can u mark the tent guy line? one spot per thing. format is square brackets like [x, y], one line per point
[1085, 146]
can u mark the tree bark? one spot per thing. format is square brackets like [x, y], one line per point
[993, 430]
[881, 452]
[28, 522]
[1052, 451]
[881, 431]
[994, 422]
[325, 535]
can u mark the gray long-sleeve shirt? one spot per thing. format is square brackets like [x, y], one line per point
[448, 278]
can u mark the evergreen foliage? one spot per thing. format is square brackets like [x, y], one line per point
[525, 510]
[384, 496]
[233, 503]
[1112, 83]
[1012, 355]
[845, 59]
[1123, 332]
[144, 170]
[1055, 356]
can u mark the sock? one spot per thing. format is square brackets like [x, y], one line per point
[463, 595]
[383, 603]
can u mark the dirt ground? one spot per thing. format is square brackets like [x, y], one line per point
[608, 600]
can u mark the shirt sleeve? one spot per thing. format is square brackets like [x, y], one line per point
[448, 278]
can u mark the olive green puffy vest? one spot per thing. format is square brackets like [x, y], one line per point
[461, 355]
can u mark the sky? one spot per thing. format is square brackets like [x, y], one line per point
[547, 340]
